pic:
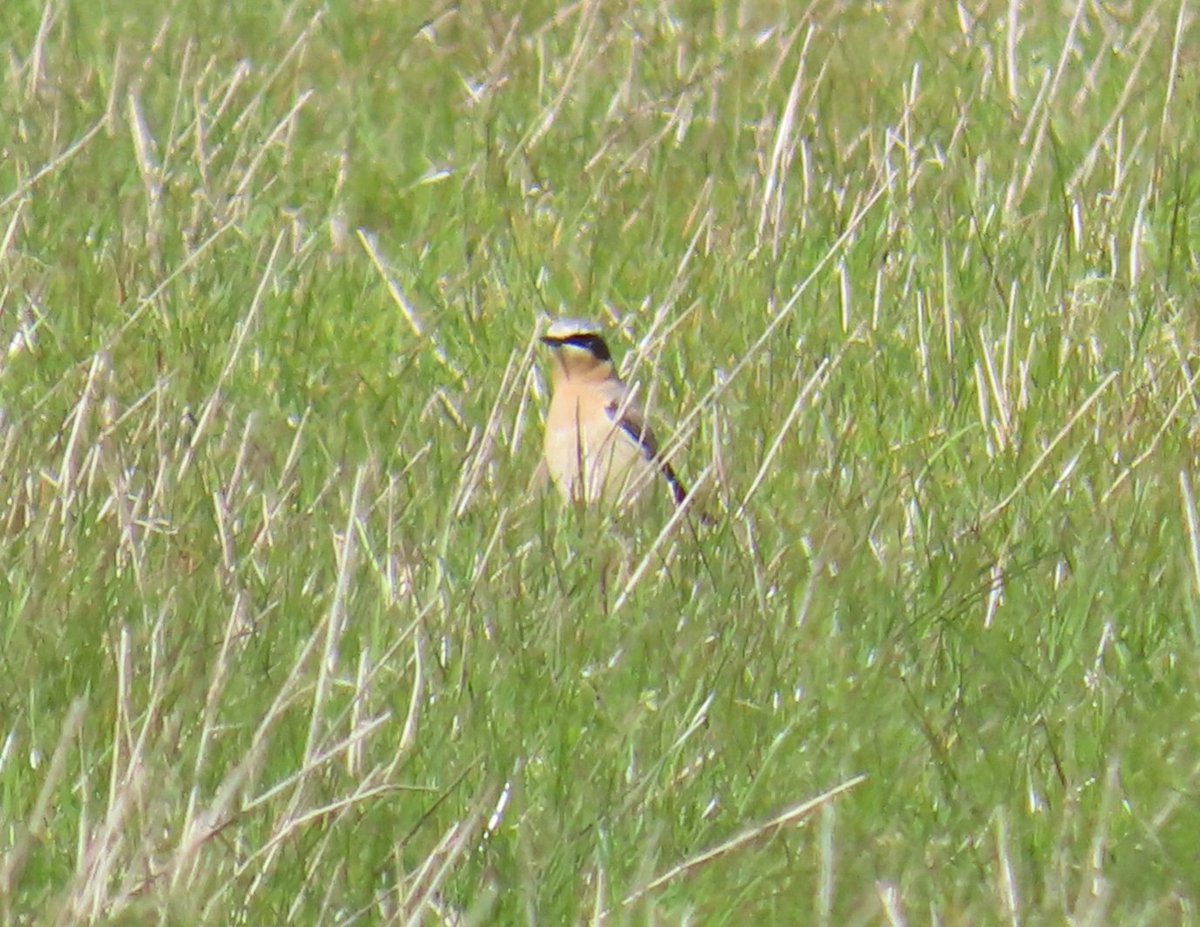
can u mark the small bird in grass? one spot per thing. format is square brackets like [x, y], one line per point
[598, 445]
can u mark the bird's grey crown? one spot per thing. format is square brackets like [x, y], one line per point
[562, 329]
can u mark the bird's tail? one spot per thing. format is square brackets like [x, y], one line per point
[679, 492]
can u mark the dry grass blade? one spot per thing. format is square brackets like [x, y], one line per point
[476, 464]
[771, 209]
[1007, 881]
[235, 350]
[17, 856]
[819, 376]
[678, 516]
[791, 816]
[1049, 449]
[52, 165]
[892, 903]
[1105, 136]
[405, 305]
[690, 422]
[188, 263]
[428, 880]
[1193, 526]
[1042, 107]
[402, 302]
[1185, 394]
[583, 49]
[336, 618]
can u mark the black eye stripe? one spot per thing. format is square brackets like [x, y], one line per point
[593, 344]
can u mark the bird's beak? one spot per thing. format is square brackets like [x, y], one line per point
[546, 339]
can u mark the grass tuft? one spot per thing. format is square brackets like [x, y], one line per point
[285, 635]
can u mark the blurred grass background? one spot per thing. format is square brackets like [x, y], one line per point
[283, 634]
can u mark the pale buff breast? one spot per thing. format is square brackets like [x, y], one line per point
[596, 461]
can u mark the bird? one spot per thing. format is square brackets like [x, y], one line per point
[598, 446]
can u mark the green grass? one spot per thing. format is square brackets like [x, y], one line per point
[285, 638]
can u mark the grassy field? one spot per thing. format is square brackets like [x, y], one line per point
[286, 638]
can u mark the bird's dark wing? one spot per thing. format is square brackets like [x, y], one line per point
[631, 421]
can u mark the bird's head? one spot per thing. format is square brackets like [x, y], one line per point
[579, 348]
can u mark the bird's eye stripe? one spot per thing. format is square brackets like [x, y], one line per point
[593, 344]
